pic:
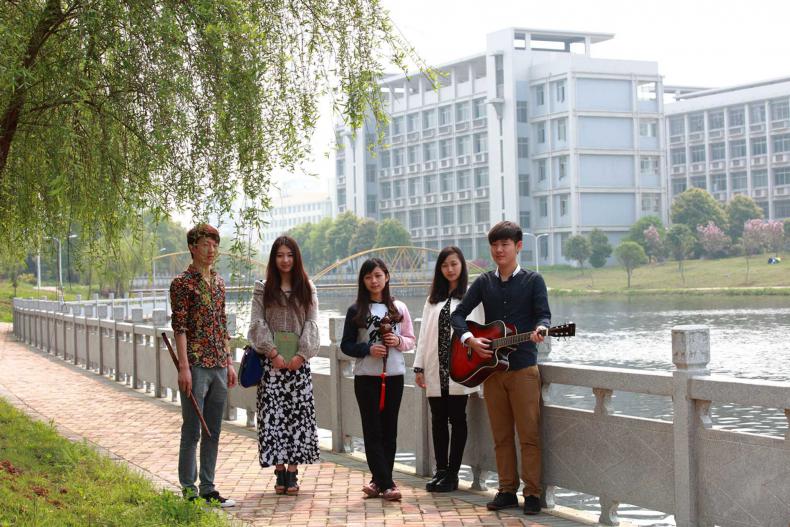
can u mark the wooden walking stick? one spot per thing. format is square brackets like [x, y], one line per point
[189, 395]
[385, 328]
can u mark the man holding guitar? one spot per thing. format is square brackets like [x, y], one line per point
[518, 297]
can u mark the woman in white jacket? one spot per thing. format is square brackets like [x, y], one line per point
[446, 398]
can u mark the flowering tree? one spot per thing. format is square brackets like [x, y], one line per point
[774, 235]
[754, 239]
[653, 243]
[714, 241]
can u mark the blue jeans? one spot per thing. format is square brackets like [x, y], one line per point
[210, 388]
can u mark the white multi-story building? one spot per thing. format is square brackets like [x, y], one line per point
[534, 129]
[733, 141]
[288, 211]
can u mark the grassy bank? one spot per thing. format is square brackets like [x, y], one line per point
[46, 480]
[30, 291]
[724, 276]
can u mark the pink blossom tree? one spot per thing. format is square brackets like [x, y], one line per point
[653, 242]
[754, 240]
[714, 241]
[774, 235]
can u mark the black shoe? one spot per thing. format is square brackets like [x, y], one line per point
[448, 483]
[280, 484]
[503, 500]
[437, 477]
[214, 497]
[531, 505]
[291, 483]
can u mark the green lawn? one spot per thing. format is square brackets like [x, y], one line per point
[46, 480]
[723, 273]
[29, 291]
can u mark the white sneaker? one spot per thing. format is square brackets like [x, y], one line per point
[214, 496]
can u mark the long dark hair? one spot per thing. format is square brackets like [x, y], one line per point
[363, 295]
[301, 295]
[440, 288]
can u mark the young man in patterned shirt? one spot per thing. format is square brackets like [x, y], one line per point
[205, 363]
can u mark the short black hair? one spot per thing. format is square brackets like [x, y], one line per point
[505, 230]
[202, 230]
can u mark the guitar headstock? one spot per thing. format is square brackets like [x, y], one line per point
[563, 330]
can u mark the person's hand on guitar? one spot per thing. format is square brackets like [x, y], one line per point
[538, 335]
[391, 340]
[481, 346]
[378, 350]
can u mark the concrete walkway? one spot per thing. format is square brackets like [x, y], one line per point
[143, 432]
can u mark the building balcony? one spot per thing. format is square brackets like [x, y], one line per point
[481, 192]
[446, 197]
[464, 229]
[782, 158]
[429, 198]
[448, 230]
[446, 162]
[481, 157]
[384, 172]
[462, 160]
[738, 163]
[782, 191]
[414, 168]
[444, 130]
[679, 169]
[415, 200]
[464, 194]
[736, 130]
[696, 137]
[758, 161]
[397, 139]
[460, 127]
[431, 231]
[676, 139]
[760, 193]
[429, 165]
[427, 134]
[781, 124]
[697, 167]
[718, 165]
[716, 134]
[480, 123]
[397, 171]
[413, 137]
[758, 128]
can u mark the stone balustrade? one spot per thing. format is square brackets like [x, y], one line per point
[689, 467]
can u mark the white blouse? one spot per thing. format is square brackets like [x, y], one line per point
[427, 352]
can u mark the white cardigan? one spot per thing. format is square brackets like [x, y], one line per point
[427, 352]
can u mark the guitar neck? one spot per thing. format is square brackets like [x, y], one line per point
[511, 340]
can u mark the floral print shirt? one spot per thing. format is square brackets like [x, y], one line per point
[199, 311]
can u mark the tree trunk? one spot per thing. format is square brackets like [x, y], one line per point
[628, 272]
[51, 17]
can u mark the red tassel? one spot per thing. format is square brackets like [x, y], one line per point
[383, 391]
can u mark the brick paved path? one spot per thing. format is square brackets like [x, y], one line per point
[144, 432]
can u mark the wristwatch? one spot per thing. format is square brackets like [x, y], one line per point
[419, 370]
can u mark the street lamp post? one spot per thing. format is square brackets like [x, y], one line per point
[60, 265]
[537, 255]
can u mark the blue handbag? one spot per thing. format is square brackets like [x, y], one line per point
[251, 369]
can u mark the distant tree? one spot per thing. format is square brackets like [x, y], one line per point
[714, 242]
[630, 255]
[391, 233]
[364, 237]
[578, 248]
[11, 266]
[637, 231]
[654, 243]
[740, 210]
[301, 233]
[601, 249]
[787, 231]
[680, 242]
[340, 234]
[696, 207]
[774, 235]
[753, 239]
[319, 245]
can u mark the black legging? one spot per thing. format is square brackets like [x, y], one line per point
[452, 409]
[380, 429]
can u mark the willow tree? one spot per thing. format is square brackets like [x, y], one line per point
[112, 107]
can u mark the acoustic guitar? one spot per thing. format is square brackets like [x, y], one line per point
[469, 369]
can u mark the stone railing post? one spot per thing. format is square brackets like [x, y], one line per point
[336, 385]
[159, 321]
[690, 355]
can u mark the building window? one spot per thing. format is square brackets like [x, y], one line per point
[370, 173]
[481, 177]
[482, 212]
[385, 190]
[698, 182]
[414, 187]
[648, 165]
[524, 219]
[756, 113]
[397, 157]
[678, 156]
[560, 89]
[523, 185]
[735, 116]
[781, 209]
[341, 197]
[384, 159]
[738, 180]
[479, 108]
[412, 154]
[651, 203]
[542, 170]
[399, 189]
[697, 153]
[759, 146]
[429, 184]
[413, 122]
[415, 219]
[677, 126]
[463, 177]
[759, 178]
[543, 204]
[523, 148]
[370, 202]
[521, 111]
[780, 110]
[696, 122]
[562, 132]
[646, 91]
[563, 167]
[465, 214]
[397, 125]
[539, 96]
[648, 128]
[446, 181]
[462, 112]
[781, 143]
[428, 119]
[445, 148]
[678, 186]
[716, 120]
[340, 167]
[462, 145]
[717, 151]
[738, 148]
[541, 133]
[563, 205]
[782, 176]
[544, 247]
[448, 215]
[431, 217]
[480, 143]
[429, 151]
[445, 115]
[718, 183]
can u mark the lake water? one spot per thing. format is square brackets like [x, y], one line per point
[749, 339]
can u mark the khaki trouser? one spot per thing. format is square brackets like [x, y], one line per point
[513, 398]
